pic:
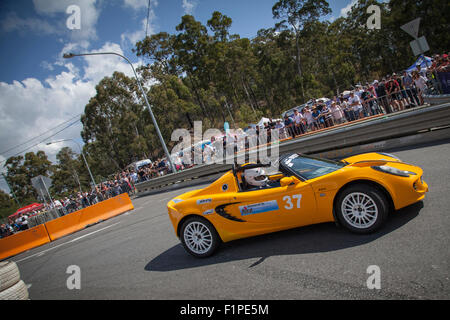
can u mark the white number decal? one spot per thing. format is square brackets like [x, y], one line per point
[289, 205]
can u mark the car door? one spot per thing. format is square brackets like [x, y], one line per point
[278, 208]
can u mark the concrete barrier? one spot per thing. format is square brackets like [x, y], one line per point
[64, 225]
[80, 219]
[23, 241]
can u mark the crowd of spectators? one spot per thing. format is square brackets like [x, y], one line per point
[122, 182]
[439, 73]
[392, 93]
[154, 169]
[16, 224]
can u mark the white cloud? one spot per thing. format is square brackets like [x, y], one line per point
[100, 66]
[89, 14]
[189, 6]
[348, 8]
[136, 4]
[13, 22]
[52, 20]
[130, 38]
[47, 65]
[31, 107]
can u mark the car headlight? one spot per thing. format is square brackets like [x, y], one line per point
[394, 171]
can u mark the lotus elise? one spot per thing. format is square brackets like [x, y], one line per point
[357, 193]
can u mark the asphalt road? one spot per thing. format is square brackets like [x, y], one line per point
[137, 256]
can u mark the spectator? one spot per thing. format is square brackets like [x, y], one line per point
[420, 71]
[337, 113]
[355, 103]
[85, 200]
[299, 127]
[4, 231]
[402, 91]
[408, 82]
[24, 222]
[309, 119]
[359, 90]
[346, 109]
[369, 102]
[392, 88]
[421, 84]
[327, 116]
[382, 99]
[318, 119]
[288, 125]
[267, 132]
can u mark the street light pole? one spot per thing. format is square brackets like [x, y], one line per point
[84, 158]
[71, 55]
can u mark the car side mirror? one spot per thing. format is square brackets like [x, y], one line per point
[286, 181]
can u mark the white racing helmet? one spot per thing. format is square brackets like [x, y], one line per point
[255, 177]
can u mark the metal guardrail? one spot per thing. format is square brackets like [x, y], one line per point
[403, 123]
[436, 99]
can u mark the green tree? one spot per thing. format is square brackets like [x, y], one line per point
[68, 174]
[296, 14]
[7, 205]
[20, 171]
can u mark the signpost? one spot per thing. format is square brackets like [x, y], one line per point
[419, 45]
[41, 184]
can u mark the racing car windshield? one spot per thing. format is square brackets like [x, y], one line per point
[309, 167]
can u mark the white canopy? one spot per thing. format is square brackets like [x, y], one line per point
[264, 120]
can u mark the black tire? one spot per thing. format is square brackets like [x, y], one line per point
[361, 208]
[202, 243]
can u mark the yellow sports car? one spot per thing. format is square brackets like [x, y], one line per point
[357, 192]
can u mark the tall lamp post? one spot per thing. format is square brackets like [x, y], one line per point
[81, 151]
[71, 55]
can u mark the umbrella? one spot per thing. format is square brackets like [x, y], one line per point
[28, 208]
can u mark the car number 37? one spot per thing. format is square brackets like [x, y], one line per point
[290, 201]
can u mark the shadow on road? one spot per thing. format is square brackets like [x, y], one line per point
[311, 239]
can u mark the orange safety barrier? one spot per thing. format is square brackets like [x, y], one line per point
[78, 220]
[23, 241]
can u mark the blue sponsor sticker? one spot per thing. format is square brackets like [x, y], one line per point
[210, 211]
[204, 201]
[259, 207]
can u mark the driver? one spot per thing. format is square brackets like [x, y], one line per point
[256, 178]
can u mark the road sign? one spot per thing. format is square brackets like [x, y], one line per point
[41, 184]
[412, 28]
[419, 46]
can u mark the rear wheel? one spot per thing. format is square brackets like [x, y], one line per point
[199, 237]
[362, 208]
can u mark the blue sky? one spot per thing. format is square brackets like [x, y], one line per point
[32, 38]
[39, 90]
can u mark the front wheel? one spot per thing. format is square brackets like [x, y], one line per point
[362, 208]
[199, 237]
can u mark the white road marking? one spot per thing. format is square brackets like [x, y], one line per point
[83, 236]
[59, 245]
[29, 286]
